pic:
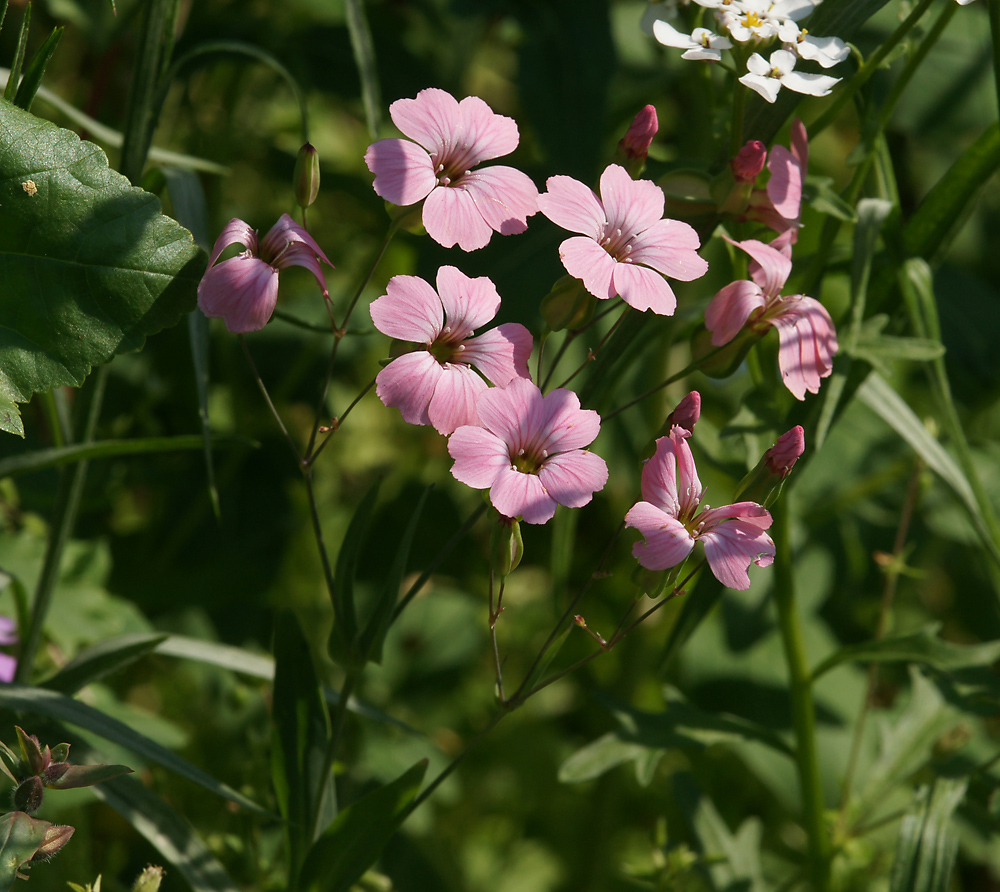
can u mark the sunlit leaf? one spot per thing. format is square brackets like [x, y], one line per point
[100, 660]
[928, 841]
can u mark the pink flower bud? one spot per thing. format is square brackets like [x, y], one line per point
[782, 455]
[749, 162]
[687, 413]
[635, 144]
[56, 836]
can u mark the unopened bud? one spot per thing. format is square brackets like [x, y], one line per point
[686, 414]
[306, 176]
[149, 880]
[634, 146]
[749, 161]
[781, 457]
[763, 483]
[568, 305]
[28, 795]
[506, 545]
[56, 836]
[34, 759]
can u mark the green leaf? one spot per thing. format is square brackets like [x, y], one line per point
[300, 732]
[928, 843]
[879, 349]
[364, 58]
[90, 265]
[20, 837]
[87, 776]
[36, 70]
[15, 67]
[100, 660]
[605, 753]
[355, 840]
[53, 705]
[923, 647]
[821, 194]
[171, 835]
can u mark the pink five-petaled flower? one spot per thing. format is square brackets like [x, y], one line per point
[244, 289]
[808, 339]
[450, 138]
[779, 206]
[529, 451]
[437, 385]
[626, 248]
[671, 519]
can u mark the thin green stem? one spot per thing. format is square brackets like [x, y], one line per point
[71, 481]
[803, 708]
[591, 354]
[267, 399]
[332, 745]
[860, 77]
[736, 124]
[339, 420]
[994, 12]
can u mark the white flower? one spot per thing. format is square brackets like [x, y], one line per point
[767, 78]
[699, 44]
[827, 51]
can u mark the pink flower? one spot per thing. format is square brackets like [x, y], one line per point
[671, 519]
[244, 289]
[808, 339]
[450, 138]
[438, 385]
[8, 636]
[626, 248]
[529, 451]
[779, 206]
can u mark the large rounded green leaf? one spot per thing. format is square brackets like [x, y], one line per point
[88, 265]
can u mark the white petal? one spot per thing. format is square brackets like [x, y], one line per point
[811, 84]
[768, 87]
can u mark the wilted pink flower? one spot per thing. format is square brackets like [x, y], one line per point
[779, 206]
[687, 413]
[626, 248]
[781, 457]
[244, 289]
[463, 205]
[438, 385]
[671, 519]
[529, 451]
[806, 333]
[749, 161]
[637, 140]
[8, 636]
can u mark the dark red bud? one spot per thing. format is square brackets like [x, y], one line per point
[781, 457]
[636, 142]
[749, 162]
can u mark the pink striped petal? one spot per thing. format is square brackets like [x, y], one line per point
[404, 172]
[480, 456]
[468, 303]
[299, 254]
[659, 478]
[509, 411]
[563, 425]
[770, 268]
[431, 119]
[286, 234]
[644, 289]
[501, 354]
[572, 205]
[242, 291]
[748, 512]
[454, 400]
[670, 247]
[731, 547]
[490, 135]
[233, 233]
[410, 310]
[630, 205]
[667, 542]
[573, 477]
[515, 494]
[504, 196]
[587, 260]
[807, 344]
[784, 189]
[408, 384]
[451, 217]
[689, 488]
[728, 311]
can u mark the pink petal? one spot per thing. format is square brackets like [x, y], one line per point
[587, 260]
[644, 289]
[731, 547]
[689, 488]
[408, 383]
[770, 269]
[242, 291]
[298, 254]
[286, 231]
[454, 400]
[572, 205]
[572, 478]
[784, 189]
[667, 541]
[515, 494]
[234, 232]
[491, 135]
[748, 512]
[409, 310]
[451, 216]
[480, 456]
[504, 196]
[404, 172]
[562, 425]
[501, 354]
[659, 478]
[630, 205]
[509, 412]
[728, 311]
[670, 247]
[468, 303]
[807, 344]
[431, 119]
[8, 668]
[800, 144]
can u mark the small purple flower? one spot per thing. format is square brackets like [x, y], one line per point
[243, 290]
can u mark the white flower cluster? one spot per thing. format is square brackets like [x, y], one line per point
[754, 23]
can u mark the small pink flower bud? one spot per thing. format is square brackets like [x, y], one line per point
[635, 144]
[686, 414]
[749, 162]
[781, 457]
